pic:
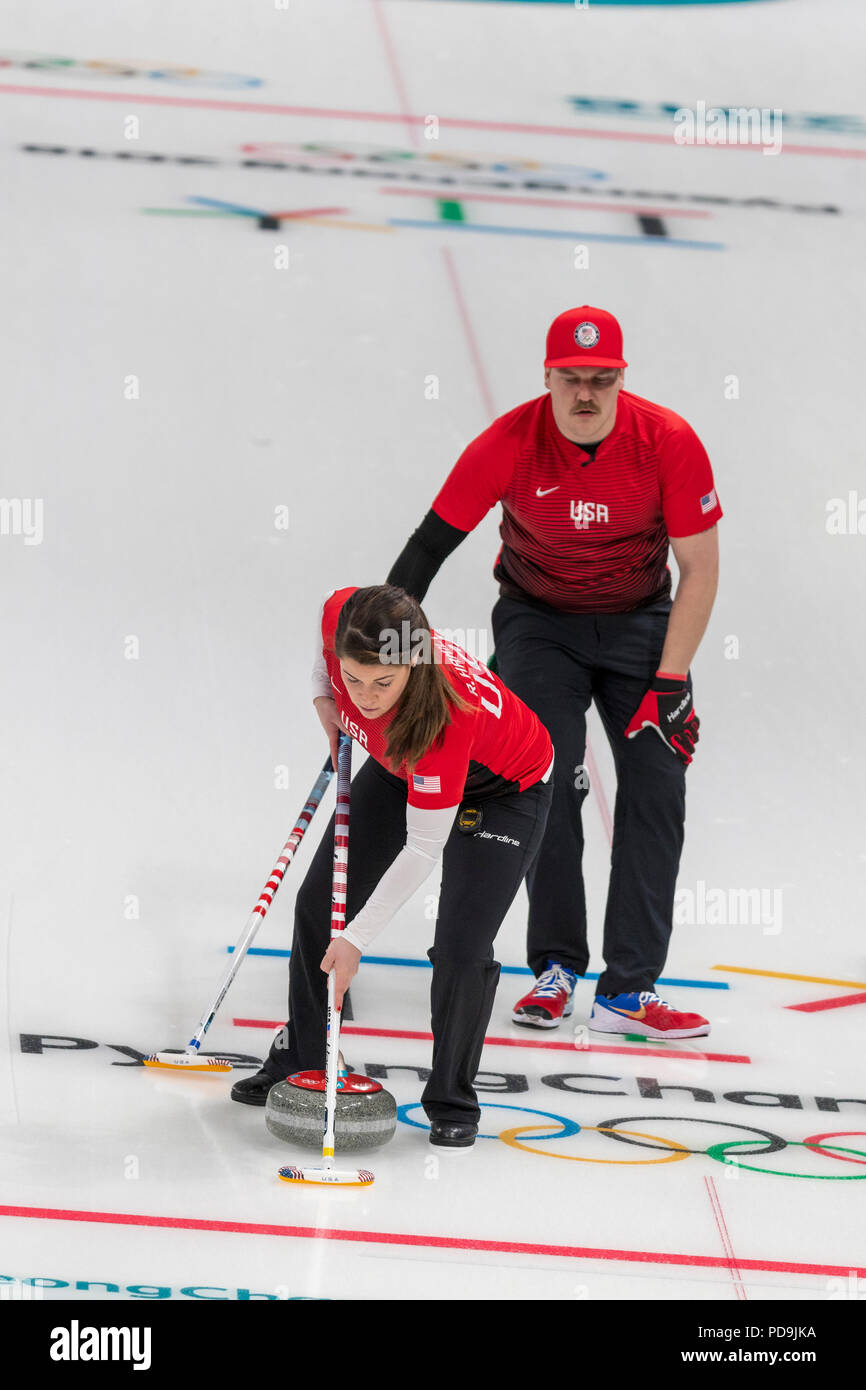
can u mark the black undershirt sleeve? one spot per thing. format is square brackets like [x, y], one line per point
[420, 559]
[427, 548]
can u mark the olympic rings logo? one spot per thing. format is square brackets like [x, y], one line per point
[671, 1150]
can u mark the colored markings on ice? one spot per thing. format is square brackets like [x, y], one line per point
[420, 1240]
[412, 1035]
[840, 1001]
[785, 975]
[814, 1006]
[506, 969]
[491, 229]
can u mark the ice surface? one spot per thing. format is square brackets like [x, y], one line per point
[169, 387]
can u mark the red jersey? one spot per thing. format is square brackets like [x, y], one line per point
[585, 535]
[495, 746]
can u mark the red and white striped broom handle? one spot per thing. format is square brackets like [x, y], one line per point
[338, 925]
[268, 893]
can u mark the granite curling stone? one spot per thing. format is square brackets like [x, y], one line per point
[366, 1115]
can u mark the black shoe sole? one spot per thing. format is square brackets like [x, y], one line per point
[439, 1142]
[251, 1097]
[250, 1100]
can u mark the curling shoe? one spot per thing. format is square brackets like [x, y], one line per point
[549, 1001]
[645, 1014]
[445, 1134]
[253, 1090]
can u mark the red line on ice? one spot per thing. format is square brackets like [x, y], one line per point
[506, 1247]
[396, 73]
[518, 1042]
[839, 1001]
[727, 1243]
[597, 786]
[469, 333]
[262, 108]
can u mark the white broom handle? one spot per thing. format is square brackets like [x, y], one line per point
[338, 924]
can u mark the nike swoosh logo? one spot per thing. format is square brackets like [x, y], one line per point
[542, 492]
[630, 1013]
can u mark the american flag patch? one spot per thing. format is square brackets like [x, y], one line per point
[708, 502]
[426, 784]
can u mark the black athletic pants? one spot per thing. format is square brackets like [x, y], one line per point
[481, 873]
[557, 663]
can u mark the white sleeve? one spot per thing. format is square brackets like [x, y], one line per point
[426, 833]
[321, 682]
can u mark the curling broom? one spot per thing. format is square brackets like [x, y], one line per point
[327, 1173]
[191, 1059]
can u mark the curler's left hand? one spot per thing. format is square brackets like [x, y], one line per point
[668, 709]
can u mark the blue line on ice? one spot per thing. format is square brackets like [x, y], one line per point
[506, 969]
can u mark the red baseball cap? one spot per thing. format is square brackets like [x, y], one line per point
[584, 337]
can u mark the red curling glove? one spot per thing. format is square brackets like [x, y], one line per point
[667, 707]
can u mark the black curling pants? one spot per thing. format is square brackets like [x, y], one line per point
[481, 873]
[557, 663]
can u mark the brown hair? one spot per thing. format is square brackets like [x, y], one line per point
[384, 625]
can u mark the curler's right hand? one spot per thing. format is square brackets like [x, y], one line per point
[326, 709]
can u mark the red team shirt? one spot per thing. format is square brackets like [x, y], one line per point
[496, 746]
[588, 539]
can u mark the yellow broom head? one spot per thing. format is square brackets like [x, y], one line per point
[329, 1177]
[187, 1061]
